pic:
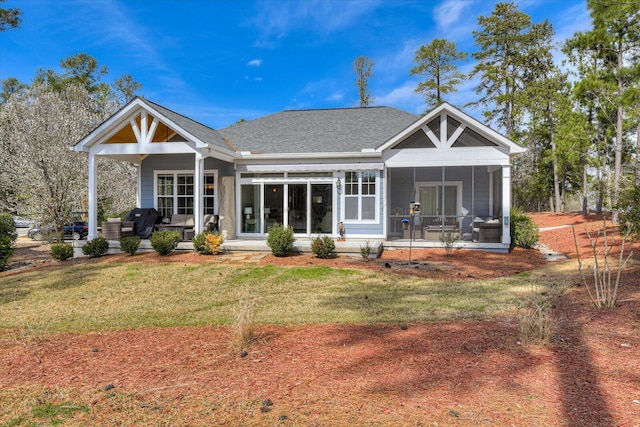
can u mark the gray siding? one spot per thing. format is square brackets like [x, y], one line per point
[174, 162]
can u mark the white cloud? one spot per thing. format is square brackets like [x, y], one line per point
[403, 97]
[449, 12]
[254, 63]
[335, 97]
[276, 19]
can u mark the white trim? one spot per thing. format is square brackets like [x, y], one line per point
[459, 116]
[144, 134]
[459, 190]
[456, 135]
[506, 205]
[285, 182]
[312, 156]
[360, 196]
[93, 197]
[175, 174]
[310, 167]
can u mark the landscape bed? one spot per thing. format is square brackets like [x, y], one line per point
[453, 365]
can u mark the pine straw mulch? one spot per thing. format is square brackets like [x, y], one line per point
[450, 373]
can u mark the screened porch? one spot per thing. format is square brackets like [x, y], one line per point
[462, 203]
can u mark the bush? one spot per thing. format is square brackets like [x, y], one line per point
[207, 243]
[365, 251]
[61, 251]
[534, 321]
[96, 247]
[165, 242]
[524, 232]
[6, 251]
[130, 244]
[8, 226]
[323, 247]
[280, 240]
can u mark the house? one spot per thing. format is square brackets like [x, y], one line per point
[384, 173]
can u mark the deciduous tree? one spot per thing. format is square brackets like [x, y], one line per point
[362, 67]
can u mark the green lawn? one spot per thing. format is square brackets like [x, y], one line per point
[108, 296]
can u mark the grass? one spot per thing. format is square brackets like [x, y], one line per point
[112, 296]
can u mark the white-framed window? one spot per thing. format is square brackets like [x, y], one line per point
[361, 195]
[174, 192]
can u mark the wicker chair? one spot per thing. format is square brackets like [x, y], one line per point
[115, 229]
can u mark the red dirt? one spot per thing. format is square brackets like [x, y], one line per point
[444, 373]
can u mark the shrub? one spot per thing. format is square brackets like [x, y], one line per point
[165, 242]
[96, 247]
[8, 226]
[6, 251]
[280, 240]
[61, 251]
[524, 232]
[213, 242]
[130, 244]
[207, 243]
[534, 321]
[450, 242]
[244, 324]
[200, 243]
[323, 247]
[365, 250]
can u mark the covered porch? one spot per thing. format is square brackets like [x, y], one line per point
[466, 204]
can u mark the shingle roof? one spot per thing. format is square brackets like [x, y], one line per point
[319, 131]
[200, 131]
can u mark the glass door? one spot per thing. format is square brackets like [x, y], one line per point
[321, 208]
[430, 198]
[298, 207]
[273, 205]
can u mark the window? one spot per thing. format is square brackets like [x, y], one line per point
[360, 196]
[165, 194]
[209, 193]
[185, 194]
[175, 193]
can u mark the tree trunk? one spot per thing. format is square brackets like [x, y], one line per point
[551, 207]
[617, 166]
[585, 190]
[637, 168]
[554, 159]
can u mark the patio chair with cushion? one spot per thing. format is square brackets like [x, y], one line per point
[115, 229]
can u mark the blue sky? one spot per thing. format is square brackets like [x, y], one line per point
[218, 61]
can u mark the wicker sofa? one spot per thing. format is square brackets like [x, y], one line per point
[432, 227]
[182, 223]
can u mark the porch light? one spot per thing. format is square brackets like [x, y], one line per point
[339, 186]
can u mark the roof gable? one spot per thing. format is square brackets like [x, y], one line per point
[144, 122]
[448, 127]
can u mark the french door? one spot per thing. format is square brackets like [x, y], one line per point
[307, 207]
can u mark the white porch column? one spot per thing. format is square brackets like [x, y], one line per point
[93, 197]
[198, 179]
[506, 204]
